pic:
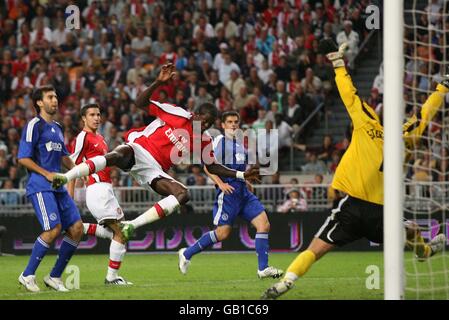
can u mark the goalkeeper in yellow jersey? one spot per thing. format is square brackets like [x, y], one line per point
[360, 176]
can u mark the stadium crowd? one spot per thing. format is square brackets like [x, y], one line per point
[257, 57]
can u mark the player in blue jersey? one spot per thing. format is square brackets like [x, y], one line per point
[41, 151]
[233, 199]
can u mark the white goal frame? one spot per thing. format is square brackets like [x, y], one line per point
[393, 56]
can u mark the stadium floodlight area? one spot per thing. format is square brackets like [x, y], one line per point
[415, 60]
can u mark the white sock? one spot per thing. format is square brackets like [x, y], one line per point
[291, 276]
[161, 209]
[97, 230]
[82, 170]
[117, 252]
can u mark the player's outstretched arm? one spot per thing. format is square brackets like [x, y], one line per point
[220, 170]
[416, 125]
[167, 73]
[348, 92]
[225, 187]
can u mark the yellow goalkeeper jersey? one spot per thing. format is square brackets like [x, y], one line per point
[360, 172]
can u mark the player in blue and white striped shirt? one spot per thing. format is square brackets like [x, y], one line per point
[233, 199]
[41, 151]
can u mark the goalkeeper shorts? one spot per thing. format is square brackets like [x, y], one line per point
[352, 220]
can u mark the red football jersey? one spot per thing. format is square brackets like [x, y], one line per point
[171, 136]
[89, 145]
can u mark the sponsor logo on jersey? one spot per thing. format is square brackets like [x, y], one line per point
[240, 157]
[375, 134]
[53, 146]
[173, 139]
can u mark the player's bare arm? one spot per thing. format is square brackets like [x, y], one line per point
[225, 187]
[220, 170]
[33, 166]
[167, 73]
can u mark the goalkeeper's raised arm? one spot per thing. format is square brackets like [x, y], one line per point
[415, 126]
[359, 111]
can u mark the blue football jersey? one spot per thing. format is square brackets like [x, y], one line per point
[231, 154]
[43, 142]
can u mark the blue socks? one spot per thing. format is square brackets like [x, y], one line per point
[262, 248]
[66, 251]
[40, 248]
[209, 238]
[206, 240]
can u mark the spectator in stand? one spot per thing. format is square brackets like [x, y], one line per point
[313, 165]
[264, 72]
[336, 157]
[326, 150]
[285, 132]
[242, 99]
[265, 42]
[202, 97]
[312, 86]
[9, 198]
[235, 84]
[295, 114]
[294, 203]
[281, 97]
[196, 176]
[253, 80]
[229, 26]
[249, 113]
[261, 119]
[351, 38]
[224, 101]
[224, 71]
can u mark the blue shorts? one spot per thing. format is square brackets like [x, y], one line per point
[241, 202]
[52, 208]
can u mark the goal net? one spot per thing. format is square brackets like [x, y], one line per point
[426, 51]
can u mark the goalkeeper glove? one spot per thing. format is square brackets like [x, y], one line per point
[334, 54]
[445, 81]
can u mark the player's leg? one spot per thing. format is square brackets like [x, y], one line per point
[299, 267]
[96, 230]
[416, 242]
[117, 251]
[122, 157]
[103, 205]
[175, 193]
[72, 224]
[340, 228]
[226, 209]
[207, 240]
[43, 203]
[262, 225]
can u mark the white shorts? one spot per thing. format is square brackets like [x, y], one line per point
[146, 168]
[102, 203]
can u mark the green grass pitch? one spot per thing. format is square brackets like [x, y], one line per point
[221, 276]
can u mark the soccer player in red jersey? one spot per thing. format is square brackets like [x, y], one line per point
[149, 152]
[100, 198]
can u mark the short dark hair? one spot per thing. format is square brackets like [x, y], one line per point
[227, 114]
[38, 95]
[88, 106]
[209, 108]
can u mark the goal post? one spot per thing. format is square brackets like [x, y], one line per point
[393, 106]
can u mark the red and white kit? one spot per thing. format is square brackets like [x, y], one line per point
[169, 137]
[100, 198]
